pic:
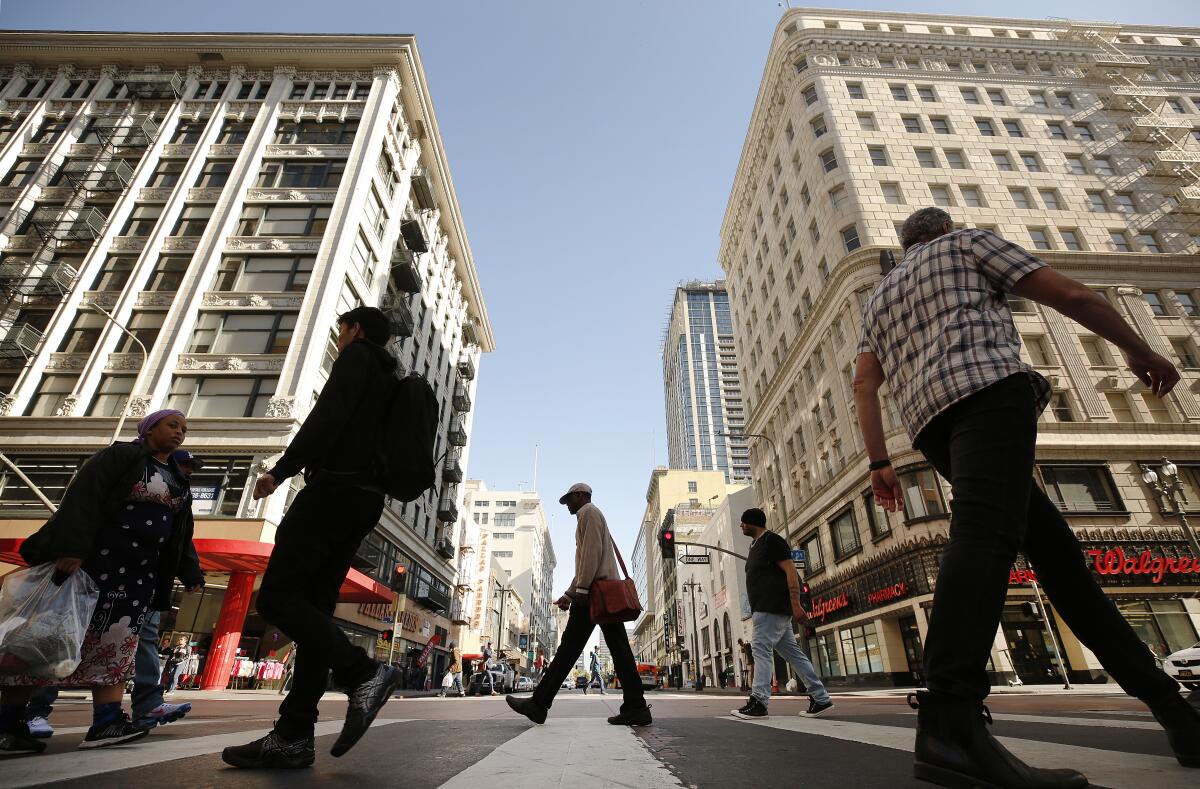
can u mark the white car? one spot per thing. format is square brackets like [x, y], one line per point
[1184, 666]
[524, 684]
[567, 684]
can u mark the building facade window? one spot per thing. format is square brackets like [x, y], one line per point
[1080, 488]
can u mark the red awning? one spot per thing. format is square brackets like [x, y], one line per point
[245, 556]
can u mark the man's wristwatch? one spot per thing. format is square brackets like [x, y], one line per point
[878, 464]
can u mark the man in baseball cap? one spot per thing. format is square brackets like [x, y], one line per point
[578, 487]
[188, 463]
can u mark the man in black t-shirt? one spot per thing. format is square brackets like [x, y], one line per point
[774, 591]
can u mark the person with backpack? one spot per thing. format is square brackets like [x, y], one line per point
[346, 447]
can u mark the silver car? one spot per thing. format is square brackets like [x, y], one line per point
[1184, 666]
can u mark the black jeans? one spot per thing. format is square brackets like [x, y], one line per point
[984, 445]
[314, 547]
[574, 639]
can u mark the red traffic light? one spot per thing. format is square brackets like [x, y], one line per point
[401, 569]
[668, 535]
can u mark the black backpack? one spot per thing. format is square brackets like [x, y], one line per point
[404, 456]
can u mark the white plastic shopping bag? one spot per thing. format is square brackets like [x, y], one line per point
[42, 624]
[448, 680]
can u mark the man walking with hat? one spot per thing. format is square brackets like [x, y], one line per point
[594, 560]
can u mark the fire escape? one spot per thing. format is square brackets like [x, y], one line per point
[1123, 90]
[39, 280]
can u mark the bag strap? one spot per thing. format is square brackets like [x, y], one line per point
[619, 559]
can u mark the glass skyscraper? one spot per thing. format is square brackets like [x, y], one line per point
[703, 391]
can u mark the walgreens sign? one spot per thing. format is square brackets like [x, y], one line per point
[1116, 562]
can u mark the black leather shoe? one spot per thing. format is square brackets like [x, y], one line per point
[638, 717]
[366, 699]
[528, 707]
[954, 748]
[1182, 722]
[272, 751]
[18, 740]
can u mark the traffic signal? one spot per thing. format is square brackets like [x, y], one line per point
[805, 596]
[666, 541]
[399, 576]
[1031, 610]
[386, 635]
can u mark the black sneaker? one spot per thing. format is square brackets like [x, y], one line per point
[528, 707]
[638, 717]
[366, 699]
[18, 741]
[272, 751]
[753, 710]
[119, 731]
[815, 708]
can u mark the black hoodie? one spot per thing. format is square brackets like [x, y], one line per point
[340, 433]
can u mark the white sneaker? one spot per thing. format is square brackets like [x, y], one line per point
[40, 728]
[163, 714]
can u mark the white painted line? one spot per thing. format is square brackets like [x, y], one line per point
[568, 753]
[1113, 769]
[1059, 720]
[64, 730]
[41, 770]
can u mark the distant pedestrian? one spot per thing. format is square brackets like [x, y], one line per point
[125, 520]
[747, 662]
[540, 664]
[594, 559]
[939, 332]
[316, 544]
[456, 669]
[594, 671]
[774, 590]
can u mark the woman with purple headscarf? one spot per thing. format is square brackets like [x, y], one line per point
[123, 520]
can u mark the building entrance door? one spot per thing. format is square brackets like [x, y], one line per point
[910, 634]
[1029, 645]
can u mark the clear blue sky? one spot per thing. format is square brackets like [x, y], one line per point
[593, 146]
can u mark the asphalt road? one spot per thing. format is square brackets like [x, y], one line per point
[477, 743]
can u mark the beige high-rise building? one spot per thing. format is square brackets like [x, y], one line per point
[182, 219]
[1080, 141]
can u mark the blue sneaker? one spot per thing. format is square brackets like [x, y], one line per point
[163, 714]
[39, 727]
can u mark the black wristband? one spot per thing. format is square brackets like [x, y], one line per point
[878, 464]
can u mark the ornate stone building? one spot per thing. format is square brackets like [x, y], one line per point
[1080, 141]
[184, 216]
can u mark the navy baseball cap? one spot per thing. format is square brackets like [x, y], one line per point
[183, 456]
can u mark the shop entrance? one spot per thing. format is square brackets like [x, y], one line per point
[910, 634]
[1029, 645]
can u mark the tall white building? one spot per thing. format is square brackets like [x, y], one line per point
[223, 197]
[1080, 141]
[514, 531]
[700, 378]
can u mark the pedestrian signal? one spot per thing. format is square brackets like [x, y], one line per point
[386, 635]
[666, 541]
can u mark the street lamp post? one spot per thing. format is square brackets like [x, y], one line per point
[778, 471]
[145, 356]
[691, 586]
[1169, 490]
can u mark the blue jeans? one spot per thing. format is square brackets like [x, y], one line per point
[597, 679]
[774, 632]
[147, 692]
[41, 703]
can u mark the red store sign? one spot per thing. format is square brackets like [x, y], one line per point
[893, 592]
[1115, 561]
[824, 607]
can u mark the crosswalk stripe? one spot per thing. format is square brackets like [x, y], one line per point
[41, 770]
[64, 730]
[1059, 720]
[575, 753]
[1113, 769]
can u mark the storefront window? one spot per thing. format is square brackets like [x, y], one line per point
[860, 647]
[1163, 625]
[50, 473]
[218, 485]
[922, 494]
[825, 650]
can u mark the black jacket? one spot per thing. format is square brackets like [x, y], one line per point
[90, 504]
[343, 427]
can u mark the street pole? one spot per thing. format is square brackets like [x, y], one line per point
[778, 475]
[691, 586]
[1062, 667]
[145, 356]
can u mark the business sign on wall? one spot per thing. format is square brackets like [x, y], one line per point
[1135, 565]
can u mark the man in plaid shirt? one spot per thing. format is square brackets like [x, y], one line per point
[939, 332]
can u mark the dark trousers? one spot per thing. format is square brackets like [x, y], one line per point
[574, 639]
[984, 445]
[314, 547]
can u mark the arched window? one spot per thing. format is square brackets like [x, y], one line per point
[728, 632]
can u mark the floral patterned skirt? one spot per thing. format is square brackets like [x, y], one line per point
[123, 564]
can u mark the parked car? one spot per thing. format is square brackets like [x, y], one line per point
[567, 684]
[1184, 666]
[524, 684]
[503, 679]
[581, 682]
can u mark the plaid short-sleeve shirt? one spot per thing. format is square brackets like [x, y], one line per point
[941, 326]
